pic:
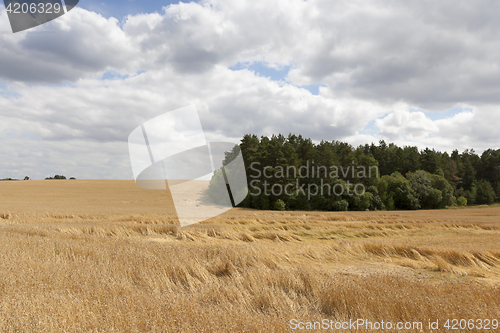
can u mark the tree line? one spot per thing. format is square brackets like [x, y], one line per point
[405, 177]
[46, 178]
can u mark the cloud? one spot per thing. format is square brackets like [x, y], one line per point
[377, 62]
[75, 45]
[404, 123]
[471, 128]
[433, 54]
[231, 102]
[24, 154]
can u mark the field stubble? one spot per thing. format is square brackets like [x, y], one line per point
[102, 256]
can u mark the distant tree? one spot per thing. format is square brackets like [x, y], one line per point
[217, 189]
[462, 201]
[430, 160]
[490, 168]
[72, 178]
[485, 193]
[428, 197]
[455, 180]
[360, 202]
[400, 193]
[56, 177]
[471, 194]
[375, 199]
[26, 178]
[470, 163]
[410, 160]
[340, 206]
[279, 205]
[441, 184]
[264, 202]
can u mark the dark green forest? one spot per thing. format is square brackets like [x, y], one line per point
[336, 176]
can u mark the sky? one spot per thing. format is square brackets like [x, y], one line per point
[120, 9]
[419, 73]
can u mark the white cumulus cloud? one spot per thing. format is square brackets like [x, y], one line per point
[72, 90]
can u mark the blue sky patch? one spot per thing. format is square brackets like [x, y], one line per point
[371, 128]
[5, 92]
[437, 115]
[113, 75]
[121, 8]
[313, 88]
[262, 69]
[31, 136]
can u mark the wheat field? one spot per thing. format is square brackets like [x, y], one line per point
[108, 256]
